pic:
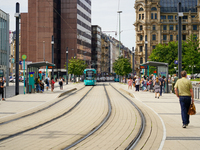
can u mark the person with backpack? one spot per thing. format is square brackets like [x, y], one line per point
[61, 83]
[37, 83]
[47, 83]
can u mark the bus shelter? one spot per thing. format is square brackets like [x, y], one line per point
[32, 72]
[162, 69]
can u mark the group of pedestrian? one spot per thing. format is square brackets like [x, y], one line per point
[40, 84]
[146, 83]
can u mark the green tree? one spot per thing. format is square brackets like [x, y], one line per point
[191, 54]
[122, 66]
[169, 53]
[76, 66]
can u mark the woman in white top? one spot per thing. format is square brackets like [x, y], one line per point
[137, 84]
[61, 83]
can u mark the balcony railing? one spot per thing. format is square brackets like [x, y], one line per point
[168, 20]
[140, 32]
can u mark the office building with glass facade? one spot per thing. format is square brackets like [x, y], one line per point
[70, 23]
[4, 43]
[158, 20]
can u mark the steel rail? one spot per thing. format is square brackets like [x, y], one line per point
[27, 115]
[134, 142]
[44, 123]
[95, 128]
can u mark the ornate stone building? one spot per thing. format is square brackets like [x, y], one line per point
[157, 19]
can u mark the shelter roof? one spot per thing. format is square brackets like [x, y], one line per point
[154, 63]
[40, 64]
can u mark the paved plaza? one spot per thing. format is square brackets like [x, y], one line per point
[163, 119]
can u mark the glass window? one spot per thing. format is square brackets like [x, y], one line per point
[171, 37]
[195, 36]
[193, 16]
[184, 27]
[141, 60]
[141, 37]
[153, 47]
[164, 37]
[151, 15]
[153, 9]
[141, 9]
[177, 37]
[185, 17]
[170, 17]
[153, 37]
[141, 48]
[184, 37]
[142, 16]
[176, 27]
[171, 27]
[194, 27]
[154, 27]
[139, 16]
[164, 27]
[155, 15]
[141, 27]
[163, 17]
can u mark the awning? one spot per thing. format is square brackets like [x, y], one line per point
[153, 63]
[40, 64]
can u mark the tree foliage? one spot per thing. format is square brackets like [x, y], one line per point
[122, 66]
[76, 66]
[169, 53]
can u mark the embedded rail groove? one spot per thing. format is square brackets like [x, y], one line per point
[27, 115]
[143, 122]
[97, 127]
[49, 121]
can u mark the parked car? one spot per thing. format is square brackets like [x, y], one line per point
[198, 76]
[12, 79]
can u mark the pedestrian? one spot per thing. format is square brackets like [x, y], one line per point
[134, 81]
[157, 87]
[161, 84]
[61, 83]
[52, 84]
[130, 81]
[47, 83]
[175, 80]
[137, 84]
[37, 83]
[150, 85]
[184, 91]
[2, 88]
[41, 86]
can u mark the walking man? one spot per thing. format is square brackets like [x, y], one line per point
[183, 90]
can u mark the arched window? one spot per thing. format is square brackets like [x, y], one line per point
[141, 60]
[141, 9]
[153, 9]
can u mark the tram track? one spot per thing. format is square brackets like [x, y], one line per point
[134, 142]
[48, 121]
[95, 128]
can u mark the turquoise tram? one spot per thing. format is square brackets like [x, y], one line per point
[90, 77]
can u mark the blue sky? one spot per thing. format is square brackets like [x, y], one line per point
[104, 14]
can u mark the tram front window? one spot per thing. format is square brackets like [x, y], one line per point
[89, 75]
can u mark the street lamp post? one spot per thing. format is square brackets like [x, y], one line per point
[52, 43]
[67, 65]
[133, 55]
[119, 31]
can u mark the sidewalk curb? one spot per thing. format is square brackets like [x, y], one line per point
[64, 93]
[127, 92]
